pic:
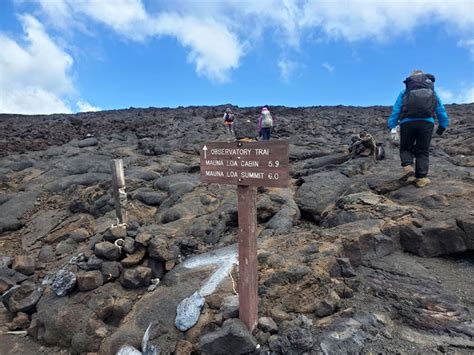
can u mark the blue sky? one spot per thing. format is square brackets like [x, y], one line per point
[85, 55]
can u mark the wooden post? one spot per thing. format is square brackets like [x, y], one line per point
[248, 268]
[118, 185]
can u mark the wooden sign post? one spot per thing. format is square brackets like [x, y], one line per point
[118, 188]
[248, 165]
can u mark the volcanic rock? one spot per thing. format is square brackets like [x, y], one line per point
[128, 245]
[230, 307]
[232, 338]
[63, 282]
[9, 278]
[88, 142]
[94, 263]
[46, 254]
[22, 298]
[20, 322]
[433, 239]
[5, 261]
[143, 238]
[89, 280]
[107, 250]
[24, 264]
[134, 258]
[135, 277]
[267, 325]
[111, 270]
[159, 249]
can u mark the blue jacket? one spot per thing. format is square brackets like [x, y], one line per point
[441, 115]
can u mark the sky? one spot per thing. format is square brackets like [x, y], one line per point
[66, 56]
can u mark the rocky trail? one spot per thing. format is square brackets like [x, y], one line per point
[351, 260]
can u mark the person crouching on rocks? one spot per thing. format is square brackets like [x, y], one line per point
[415, 108]
[265, 124]
[229, 121]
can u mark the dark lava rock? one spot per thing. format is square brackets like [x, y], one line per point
[135, 277]
[159, 249]
[79, 235]
[5, 261]
[89, 280]
[66, 247]
[107, 250]
[318, 192]
[157, 268]
[433, 240]
[135, 258]
[88, 142]
[20, 322]
[111, 270]
[154, 147]
[24, 264]
[82, 343]
[22, 298]
[128, 245]
[46, 254]
[177, 184]
[150, 198]
[9, 278]
[94, 263]
[467, 225]
[88, 179]
[114, 233]
[346, 268]
[63, 282]
[232, 338]
[267, 325]
[296, 337]
[143, 238]
[230, 307]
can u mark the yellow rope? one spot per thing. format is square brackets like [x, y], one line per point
[233, 282]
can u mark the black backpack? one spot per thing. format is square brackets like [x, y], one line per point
[419, 100]
[229, 117]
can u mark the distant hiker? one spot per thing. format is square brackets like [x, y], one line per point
[229, 121]
[265, 124]
[415, 108]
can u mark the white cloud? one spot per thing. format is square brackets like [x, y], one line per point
[381, 20]
[463, 96]
[219, 33]
[40, 62]
[446, 95]
[30, 101]
[469, 45]
[330, 68]
[34, 75]
[467, 95]
[213, 48]
[287, 68]
[84, 106]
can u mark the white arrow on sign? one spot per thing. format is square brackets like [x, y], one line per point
[204, 149]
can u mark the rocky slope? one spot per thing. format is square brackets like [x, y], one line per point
[350, 259]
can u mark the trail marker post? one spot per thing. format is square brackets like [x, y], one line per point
[247, 165]
[118, 187]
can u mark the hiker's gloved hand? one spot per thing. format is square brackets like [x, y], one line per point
[394, 134]
[440, 130]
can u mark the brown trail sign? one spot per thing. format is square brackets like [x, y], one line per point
[262, 163]
[246, 164]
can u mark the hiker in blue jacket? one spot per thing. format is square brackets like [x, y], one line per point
[414, 110]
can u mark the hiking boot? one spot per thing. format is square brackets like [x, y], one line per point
[407, 172]
[422, 182]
